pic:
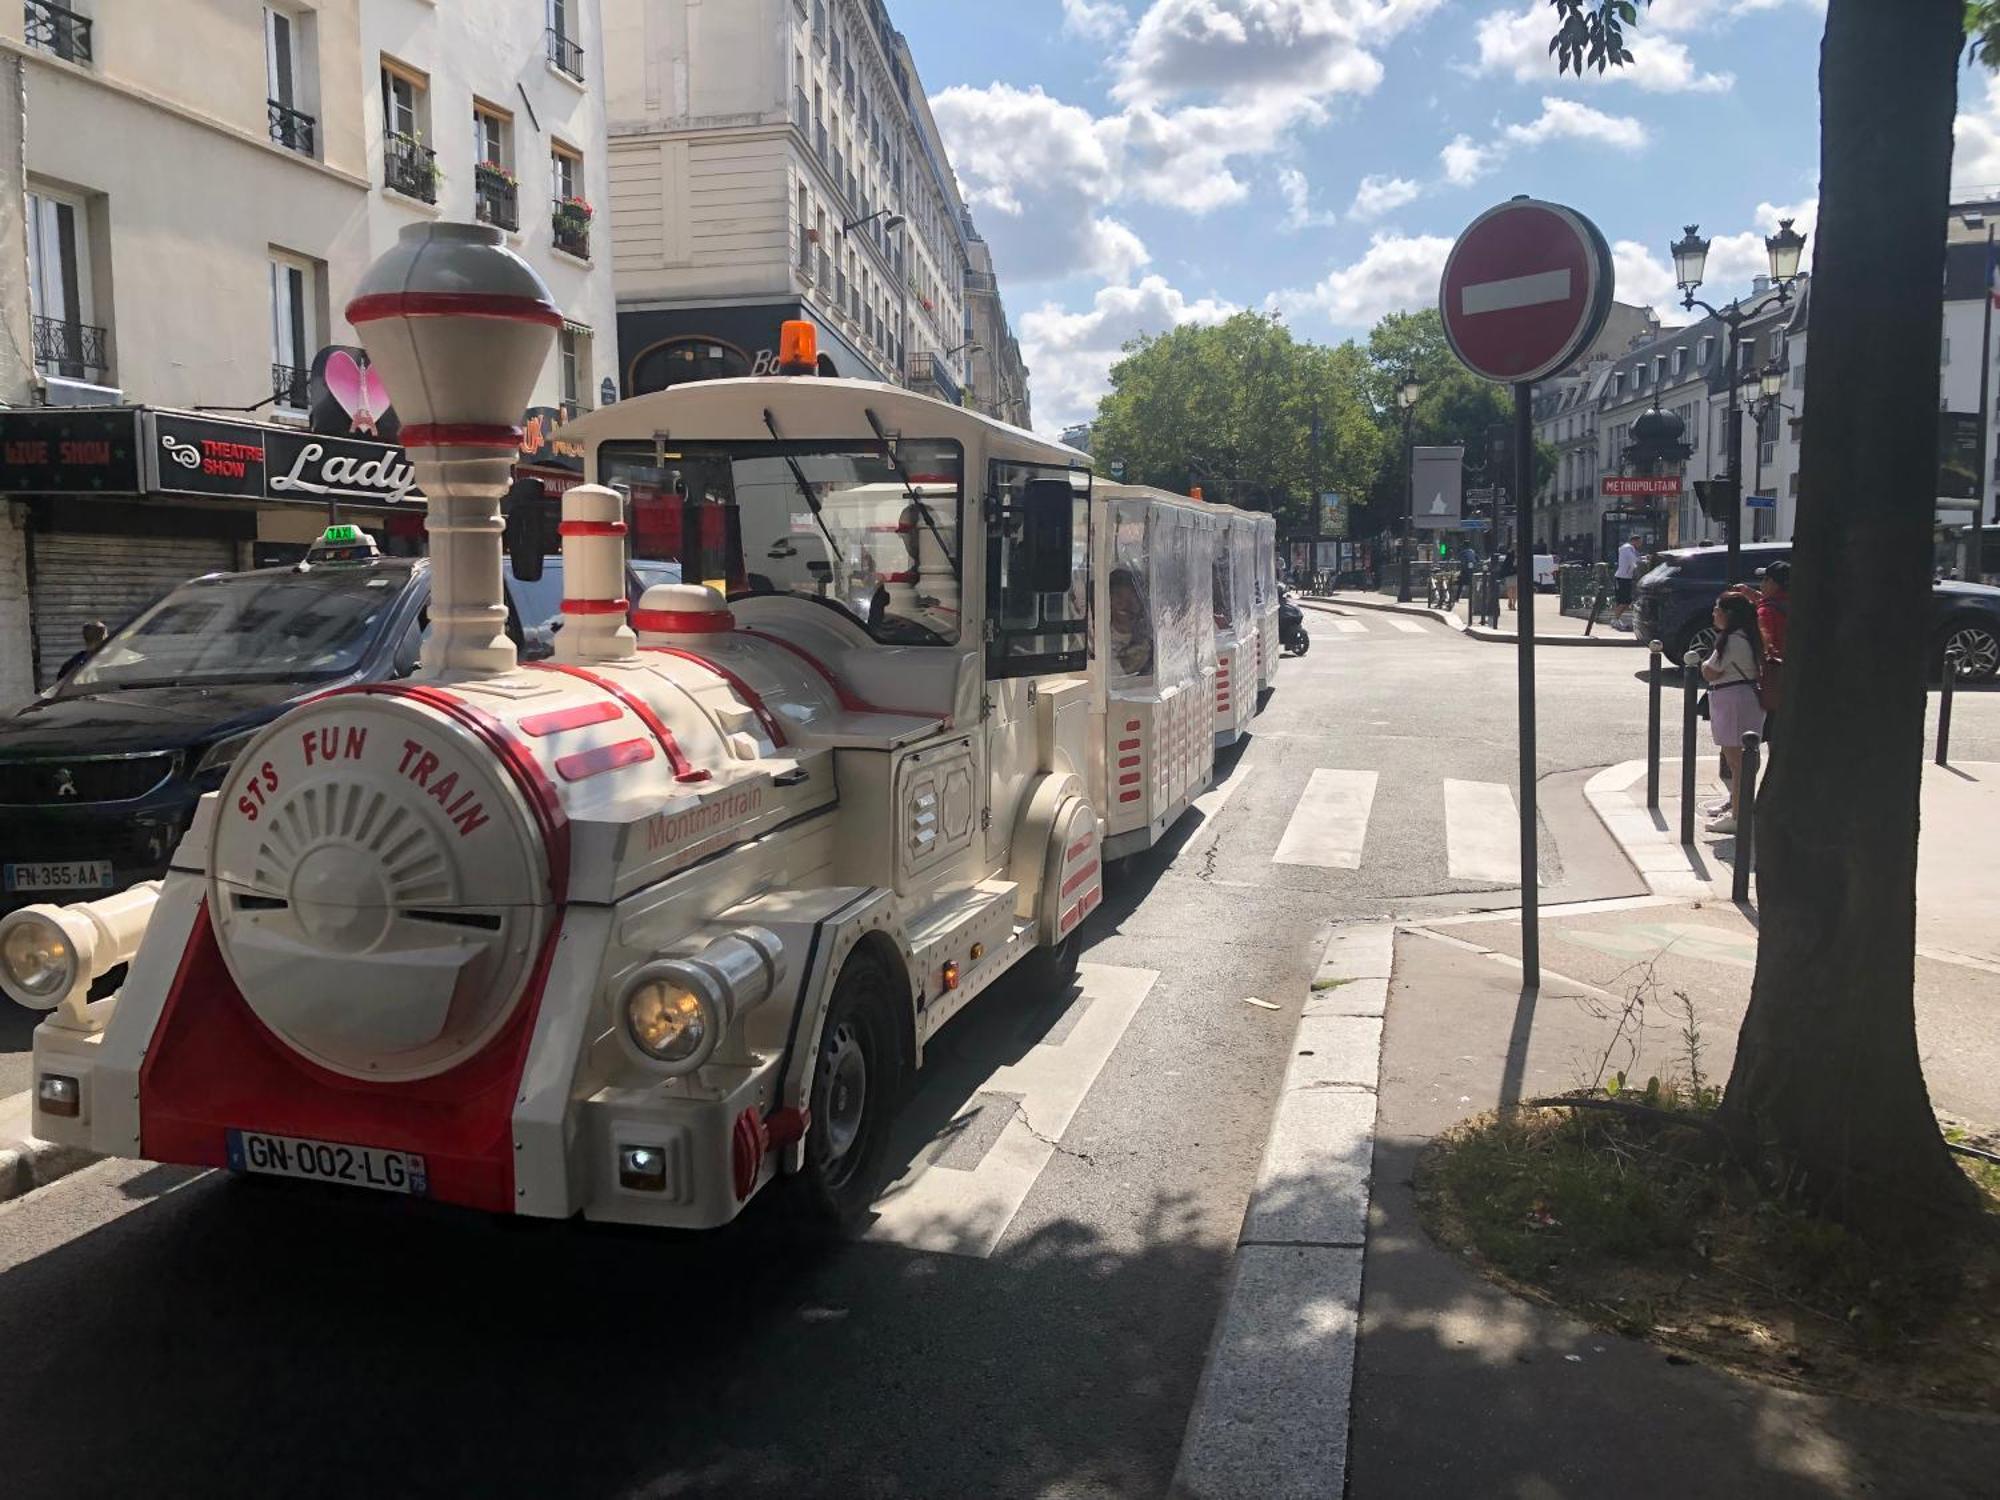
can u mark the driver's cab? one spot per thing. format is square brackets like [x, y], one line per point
[930, 565]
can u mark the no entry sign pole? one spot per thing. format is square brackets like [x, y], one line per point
[1525, 291]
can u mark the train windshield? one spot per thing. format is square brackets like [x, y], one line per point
[871, 529]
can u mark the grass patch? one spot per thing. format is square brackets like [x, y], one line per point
[1328, 984]
[1653, 1233]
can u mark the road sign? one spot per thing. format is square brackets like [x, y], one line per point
[1437, 476]
[1118, 469]
[1639, 484]
[1475, 523]
[1525, 290]
[1761, 502]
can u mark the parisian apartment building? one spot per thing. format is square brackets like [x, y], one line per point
[178, 242]
[775, 160]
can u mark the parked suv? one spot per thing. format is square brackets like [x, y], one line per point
[99, 776]
[1675, 600]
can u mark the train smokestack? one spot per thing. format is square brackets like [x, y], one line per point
[460, 327]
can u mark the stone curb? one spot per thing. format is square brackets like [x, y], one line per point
[1472, 632]
[1667, 867]
[27, 1161]
[1270, 1416]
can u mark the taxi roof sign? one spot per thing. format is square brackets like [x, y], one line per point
[345, 534]
[341, 542]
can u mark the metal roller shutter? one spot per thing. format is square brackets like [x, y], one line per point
[110, 578]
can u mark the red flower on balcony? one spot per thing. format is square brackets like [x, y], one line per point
[578, 209]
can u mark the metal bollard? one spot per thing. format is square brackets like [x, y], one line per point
[1944, 705]
[1746, 818]
[1690, 686]
[1655, 650]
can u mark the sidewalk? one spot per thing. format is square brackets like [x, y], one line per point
[1463, 1389]
[1551, 628]
[1958, 898]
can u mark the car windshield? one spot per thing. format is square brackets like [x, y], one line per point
[868, 528]
[276, 626]
[540, 602]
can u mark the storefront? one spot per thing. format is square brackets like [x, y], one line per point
[672, 346]
[122, 503]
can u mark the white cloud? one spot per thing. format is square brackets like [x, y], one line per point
[1071, 353]
[1699, 15]
[1516, 43]
[1464, 162]
[1098, 20]
[1398, 273]
[1975, 160]
[1378, 195]
[1642, 276]
[1237, 49]
[1567, 119]
[1297, 193]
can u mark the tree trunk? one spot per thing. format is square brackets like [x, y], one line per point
[1827, 1085]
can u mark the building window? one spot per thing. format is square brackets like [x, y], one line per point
[572, 212]
[58, 30]
[67, 343]
[805, 233]
[573, 361]
[496, 196]
[565, 54]
[1944, 350]
[294, 329]
[292, 126]
[1707, 347]
[409, 166]
[1680, 361]
[819, 24]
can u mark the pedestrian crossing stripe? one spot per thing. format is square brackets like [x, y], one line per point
[1328, 827]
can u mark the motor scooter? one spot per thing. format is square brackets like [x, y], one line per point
[1292, 624]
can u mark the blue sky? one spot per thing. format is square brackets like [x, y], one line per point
[1137, 163]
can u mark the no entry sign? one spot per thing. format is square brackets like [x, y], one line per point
[1525, 290]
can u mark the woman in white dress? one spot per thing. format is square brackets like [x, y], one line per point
[1734, 706]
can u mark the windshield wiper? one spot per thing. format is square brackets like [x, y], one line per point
[909, 489]
[805, 488]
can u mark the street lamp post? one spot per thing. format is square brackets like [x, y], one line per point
[1690, 252]
[1770, 383]
[1407, 391]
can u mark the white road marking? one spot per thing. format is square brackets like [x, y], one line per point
[1330, 823]
[1515, 291]
[965, 1212]
[1350, 627]
[1482, 831]
[1408, 627]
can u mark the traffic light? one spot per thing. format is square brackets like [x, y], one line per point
[1444, 552]
[1717, 498]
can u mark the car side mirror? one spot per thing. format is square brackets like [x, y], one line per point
[526, 536]
[1048, 526]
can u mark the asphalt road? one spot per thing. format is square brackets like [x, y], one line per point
[1025, 1334]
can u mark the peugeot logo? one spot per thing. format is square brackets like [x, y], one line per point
[65, 782]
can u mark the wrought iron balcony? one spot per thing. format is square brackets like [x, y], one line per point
[409, 167]
[291, 128]
[74, 351]
[56, 29]
[572, 233]
[495, 200]
[565, 54]
[291, 387]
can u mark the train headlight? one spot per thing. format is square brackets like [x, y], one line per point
[668, 1020]
[39, 963]
[675, 1012]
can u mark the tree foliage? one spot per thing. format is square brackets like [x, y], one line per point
[1233, 407]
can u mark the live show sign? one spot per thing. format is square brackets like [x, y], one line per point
[69, 451]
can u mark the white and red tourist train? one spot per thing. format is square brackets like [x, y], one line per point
[649, 928]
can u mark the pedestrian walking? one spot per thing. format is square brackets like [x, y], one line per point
[1507, 574]
[1628, 569]
[1734, 710]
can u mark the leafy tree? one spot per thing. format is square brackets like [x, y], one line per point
[1232, 408]
[1827, 1086]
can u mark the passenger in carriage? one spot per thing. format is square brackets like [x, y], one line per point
[1131, 630]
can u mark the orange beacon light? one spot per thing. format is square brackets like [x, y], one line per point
[798, 348]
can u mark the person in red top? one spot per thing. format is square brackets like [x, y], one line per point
[1774, 608]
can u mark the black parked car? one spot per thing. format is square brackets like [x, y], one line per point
[1675, 599]
[99, 776]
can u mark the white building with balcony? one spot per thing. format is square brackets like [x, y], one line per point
[774, 160]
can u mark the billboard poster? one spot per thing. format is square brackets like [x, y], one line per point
[1437, 478]
[1332, 515]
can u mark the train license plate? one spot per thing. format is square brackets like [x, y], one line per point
[327, 1161]
[58, 875]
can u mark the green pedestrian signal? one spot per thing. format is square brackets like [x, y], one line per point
[1444, 552]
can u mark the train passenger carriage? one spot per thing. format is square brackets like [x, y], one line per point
[1264, 593]
[1156, 649]
[1238, 629]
